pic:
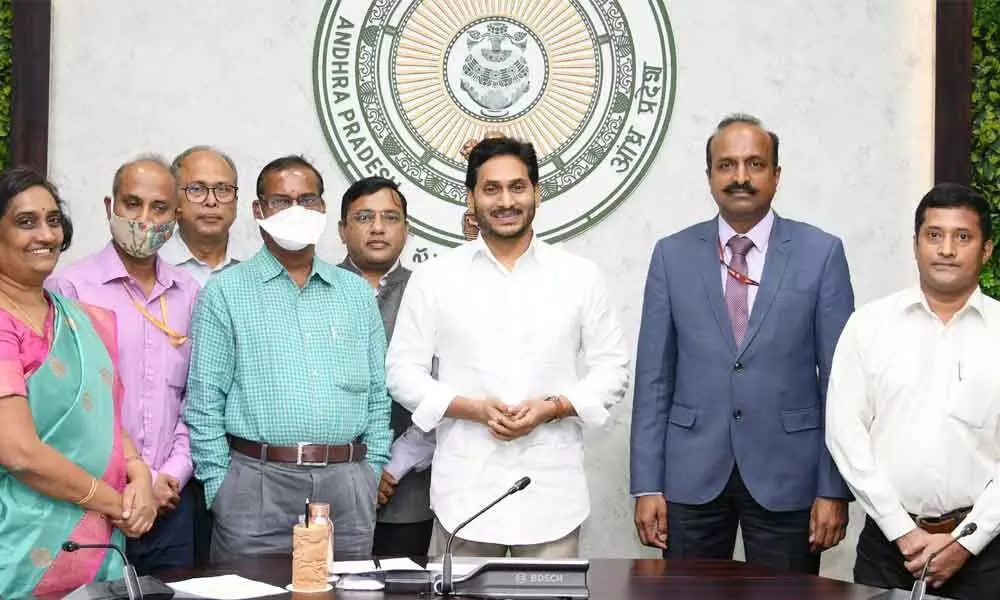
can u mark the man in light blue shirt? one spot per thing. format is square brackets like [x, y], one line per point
[286, 392]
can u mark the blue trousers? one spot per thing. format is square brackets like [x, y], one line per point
[779, 540]
[170, 543]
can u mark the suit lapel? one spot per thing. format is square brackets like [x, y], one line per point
[711, 276]
[778, 248]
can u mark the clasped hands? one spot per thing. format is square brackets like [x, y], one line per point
[917, 547]
[139, 508]
[508, 423]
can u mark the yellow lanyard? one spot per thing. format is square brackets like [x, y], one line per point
[176, 339]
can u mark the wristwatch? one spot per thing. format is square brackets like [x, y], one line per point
[560, 406]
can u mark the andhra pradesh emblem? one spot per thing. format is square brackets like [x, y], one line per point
[402, 85]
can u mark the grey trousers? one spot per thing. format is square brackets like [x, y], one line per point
[562, 548]
[259, 503]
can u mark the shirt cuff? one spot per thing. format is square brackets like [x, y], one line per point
[431, 410]
[975, 542]
[641, 494]
[590, 409]
[178, 467]
[896, 524]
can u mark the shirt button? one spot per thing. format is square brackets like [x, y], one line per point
[738, 414]
[738, 367]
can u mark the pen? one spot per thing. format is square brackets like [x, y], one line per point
[960, 370]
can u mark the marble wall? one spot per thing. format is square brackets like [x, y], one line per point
[847, 85]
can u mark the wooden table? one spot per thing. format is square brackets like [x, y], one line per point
[609, 579]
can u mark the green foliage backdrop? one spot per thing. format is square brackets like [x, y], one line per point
[5, 81]
[986, 122]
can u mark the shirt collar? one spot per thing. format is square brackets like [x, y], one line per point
[480, 249]
[385, 276]
[759, 234]
[177, 252]
[110, 268]
[914, 298]
[267, 267]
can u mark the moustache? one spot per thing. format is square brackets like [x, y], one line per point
[740, 187]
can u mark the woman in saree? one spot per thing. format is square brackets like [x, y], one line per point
[68, 471]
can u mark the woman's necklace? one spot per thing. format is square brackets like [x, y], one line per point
[39, 329]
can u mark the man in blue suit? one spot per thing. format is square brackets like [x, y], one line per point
[740, 318]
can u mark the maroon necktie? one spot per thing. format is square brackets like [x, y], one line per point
[736, 290]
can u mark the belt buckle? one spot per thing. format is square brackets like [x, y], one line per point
[305, 463]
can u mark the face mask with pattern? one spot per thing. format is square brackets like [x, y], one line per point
[139, 238]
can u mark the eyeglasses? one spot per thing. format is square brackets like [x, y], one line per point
[198, 192]
[278, 203]
[366, 217]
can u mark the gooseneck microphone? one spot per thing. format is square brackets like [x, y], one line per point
[129, 574]
[920, 586]
[446, 587]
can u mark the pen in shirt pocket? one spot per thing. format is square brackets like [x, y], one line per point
[960, 370]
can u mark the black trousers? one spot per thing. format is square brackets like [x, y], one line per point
[881, 564]
[170, 543]
[202, 525]
[402, 539]
[778, 540]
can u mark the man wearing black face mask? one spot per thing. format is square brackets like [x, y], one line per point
[740, 318]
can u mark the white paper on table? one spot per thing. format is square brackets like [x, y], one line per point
[458, 568]
[399, 564]
[225, 587]
[353, 567]
[350, 567]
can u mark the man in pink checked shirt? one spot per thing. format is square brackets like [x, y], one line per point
[152, 301]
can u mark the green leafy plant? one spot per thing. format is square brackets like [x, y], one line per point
[986, 123]
[5, 80]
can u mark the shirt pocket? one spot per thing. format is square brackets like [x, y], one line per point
[977, 391]
[351, 370]
[177, 369]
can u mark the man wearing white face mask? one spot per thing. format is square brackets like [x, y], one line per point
[152, 301]
[287, 397]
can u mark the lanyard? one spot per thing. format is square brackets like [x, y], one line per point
[741, 277]
[176, 339]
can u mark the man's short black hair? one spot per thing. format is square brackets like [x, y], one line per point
[284, 163]
[21, 179]
[367, 187]
[505, 146]
[749, 120]
[953, 195]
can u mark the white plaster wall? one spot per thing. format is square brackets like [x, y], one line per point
[847, 85]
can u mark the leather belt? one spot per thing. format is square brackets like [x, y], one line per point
[302, 454]
[946, 523]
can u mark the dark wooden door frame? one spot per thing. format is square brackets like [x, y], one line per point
[31, 43]
[953, 92]
[30, 54]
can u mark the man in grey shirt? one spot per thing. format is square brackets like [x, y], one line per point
[373, 228]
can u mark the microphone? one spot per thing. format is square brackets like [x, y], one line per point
[129, 574]
[446, 587]
[920, 586]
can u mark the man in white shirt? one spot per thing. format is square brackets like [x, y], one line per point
[206, 178]
[508, 316]
[913, 411]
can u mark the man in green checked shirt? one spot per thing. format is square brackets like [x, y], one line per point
[286, 395]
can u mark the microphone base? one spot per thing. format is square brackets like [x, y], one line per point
[897, 594]
[522, 580]
[152, 589]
